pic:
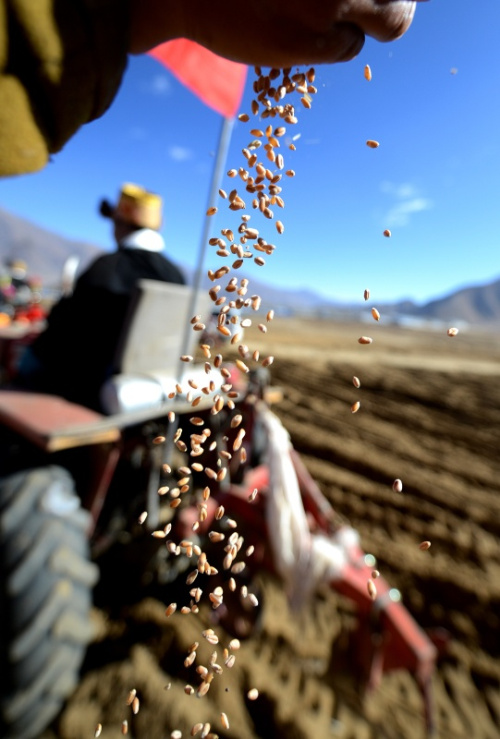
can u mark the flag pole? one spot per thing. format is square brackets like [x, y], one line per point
[220, 160]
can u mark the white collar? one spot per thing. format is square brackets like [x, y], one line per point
[144, 238]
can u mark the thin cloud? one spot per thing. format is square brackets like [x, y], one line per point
[409, 202]
[159, 84]
[180, 153]
[137, 134]
[400, 214]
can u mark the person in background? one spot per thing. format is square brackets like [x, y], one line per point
[61, 63]
[74, 355]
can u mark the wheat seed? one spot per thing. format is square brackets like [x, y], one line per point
[372, 590]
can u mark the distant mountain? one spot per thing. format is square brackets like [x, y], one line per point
[46, 253]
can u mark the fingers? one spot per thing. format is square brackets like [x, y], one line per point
[384, 20]
[341, 43]
[277, 34]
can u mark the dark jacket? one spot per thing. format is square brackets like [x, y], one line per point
[76, 351]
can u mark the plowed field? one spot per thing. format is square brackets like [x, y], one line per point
[429, 415]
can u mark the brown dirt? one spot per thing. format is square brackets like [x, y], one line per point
[430, 415]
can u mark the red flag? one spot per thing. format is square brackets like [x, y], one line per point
[217, 81]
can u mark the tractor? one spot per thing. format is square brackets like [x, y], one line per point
[181, 441]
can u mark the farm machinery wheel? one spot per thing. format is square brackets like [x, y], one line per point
[45, 597]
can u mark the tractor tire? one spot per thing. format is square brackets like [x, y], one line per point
[46, 582]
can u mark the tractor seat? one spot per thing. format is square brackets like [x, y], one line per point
[157, 333]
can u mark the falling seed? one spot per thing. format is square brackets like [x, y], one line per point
[356, 382]
[98, 730]
[253, 495]
[372, 590]
[366, 294]
[424, 545]
[124, 727]
[387, 233]
[176, 734]
[131, 696]
[142, 517]
[367, 72]
[159, 440]
[375, 574]
[375, 314]
[253, 694]
[244, 117]
[397, 485]
[355, 407]
[452, 331]
[224, 721]
[171, 609]
[135, 706]
[365, 340]
[372, 144]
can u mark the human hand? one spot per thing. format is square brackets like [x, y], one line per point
[281, 33]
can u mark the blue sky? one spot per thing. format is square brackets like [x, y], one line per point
[434, 106]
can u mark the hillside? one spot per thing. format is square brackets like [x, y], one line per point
[46, 252]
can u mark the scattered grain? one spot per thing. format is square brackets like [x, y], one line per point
[372, 590]
[397, 485]
[171, 609]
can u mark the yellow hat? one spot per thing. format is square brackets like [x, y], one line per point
[136, 206]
